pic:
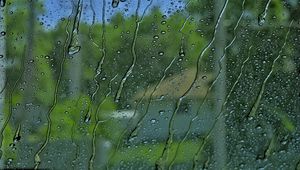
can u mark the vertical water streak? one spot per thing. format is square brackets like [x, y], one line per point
[211, 86]
[133, 50]
[262, 17]
[164, 156]
[98, 121]
[68, 41]
[262, 89]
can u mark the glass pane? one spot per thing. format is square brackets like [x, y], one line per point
[149, 84]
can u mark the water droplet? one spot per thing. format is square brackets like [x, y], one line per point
[12, 145]
[204, 77]
[133, 135]
[161, 97]
[17, 136]
[261, 19]
[161, 53]
[115, 3]
[9, 161]
[163, 22]
[181, 52]
[250, 118]
[3, 33]
[156, 37]
[37, 159]
[87, 117]
[1, 56]
[153, 121]
[161, 112]
[117, 100]
[2, 3]
[74, 49]
[131, 138]
[284, 142]
[258, 127]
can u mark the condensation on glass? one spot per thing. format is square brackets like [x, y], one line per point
[149, 84]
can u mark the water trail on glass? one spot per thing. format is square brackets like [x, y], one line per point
[199, 150]
[133, 51]
[209, 89]
[181, 54]
[262, 17]
[127, 127]
[11, 92]
[164, 156]
[67, 45]
[97, 122]
[98, 69]
[262, 89]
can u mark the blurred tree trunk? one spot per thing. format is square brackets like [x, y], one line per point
[219, 133]
[29, 70]
[28, 83]
[74, 70]
[74, 75]
[2, 66]
[26, 112]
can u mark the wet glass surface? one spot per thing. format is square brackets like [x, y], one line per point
[150, 84]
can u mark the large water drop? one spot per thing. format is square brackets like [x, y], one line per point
[115, 3]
